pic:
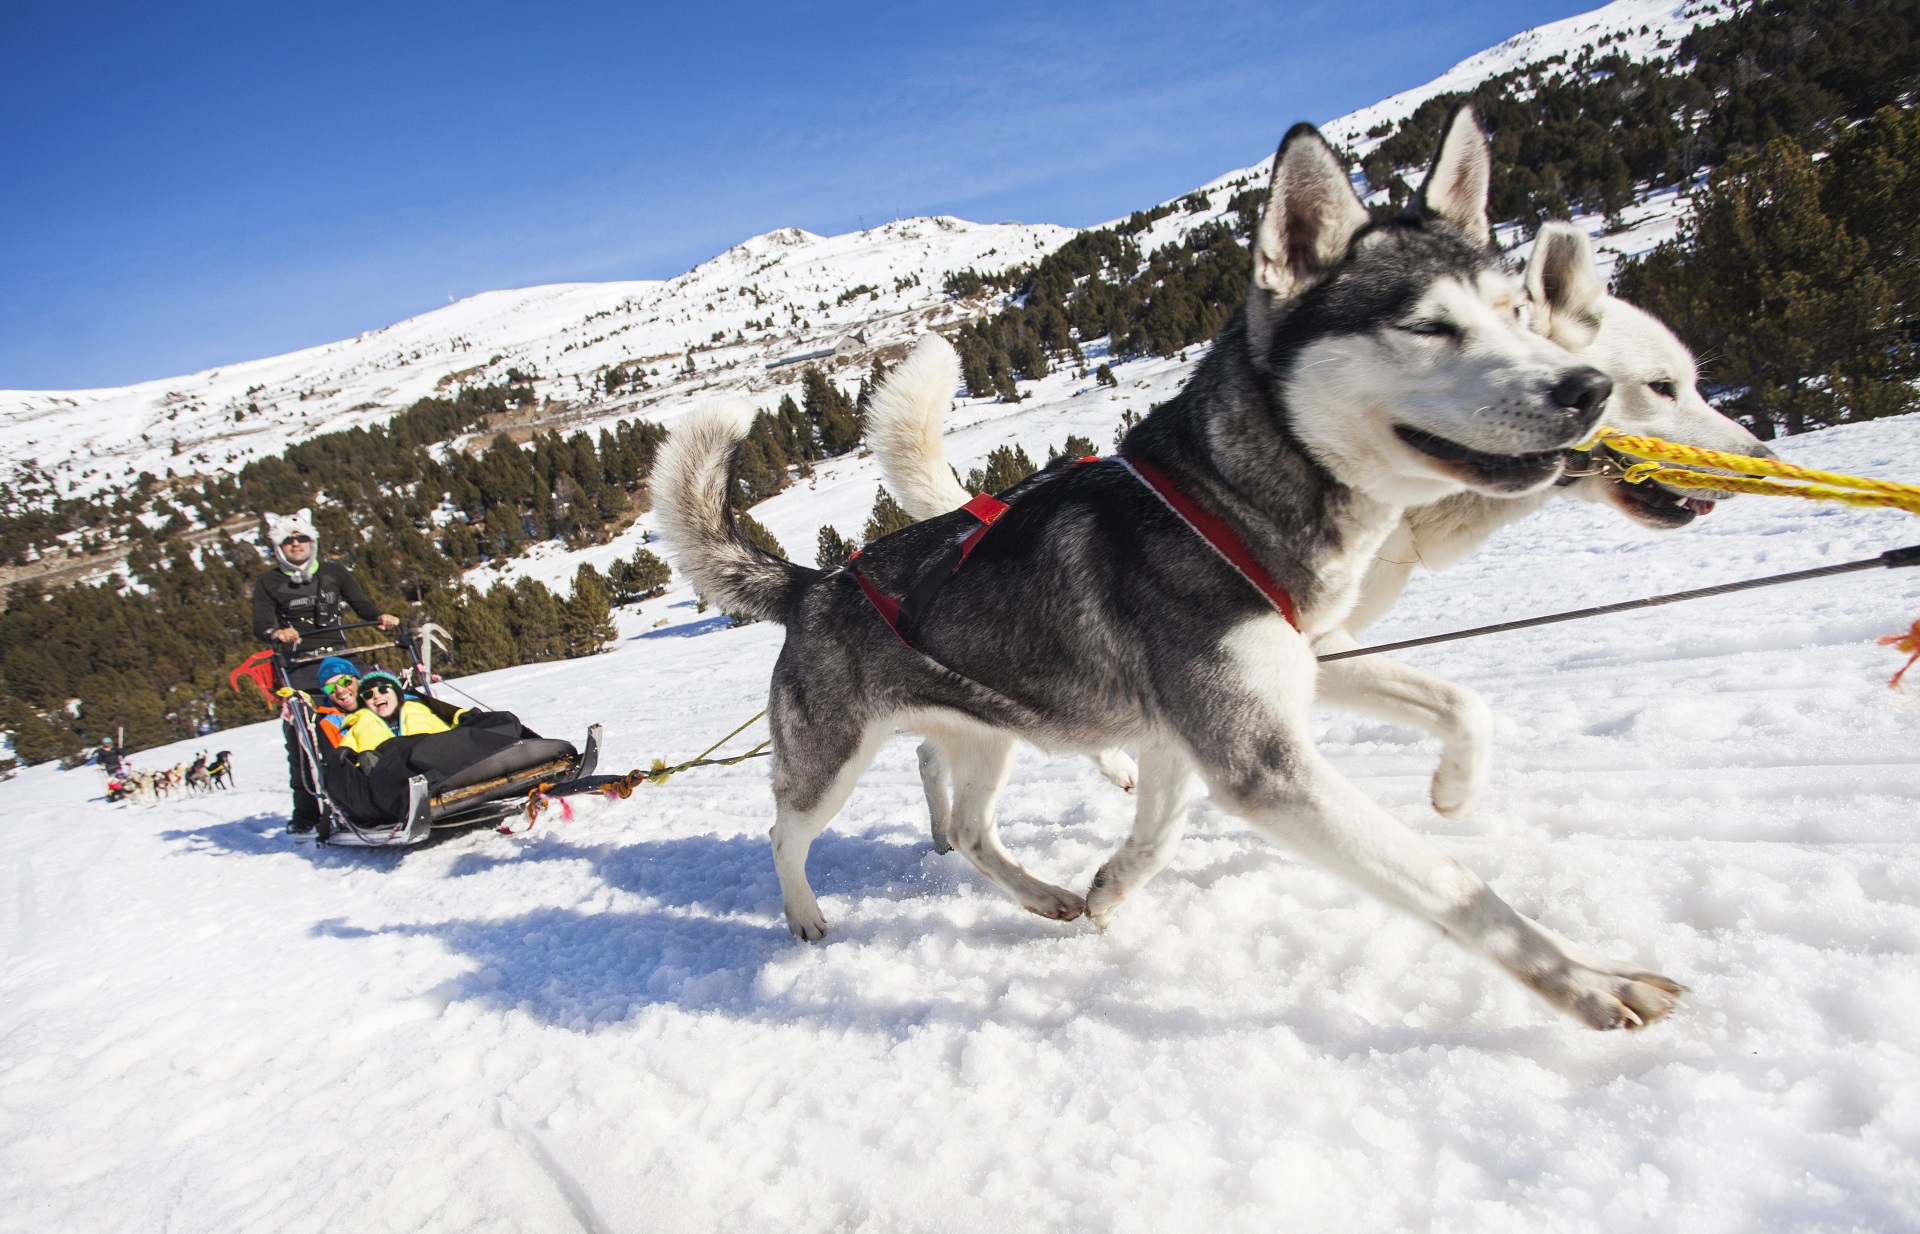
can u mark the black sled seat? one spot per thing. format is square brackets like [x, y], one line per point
[514, 770]
[482, 792]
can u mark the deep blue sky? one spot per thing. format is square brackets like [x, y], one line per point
[185, 185]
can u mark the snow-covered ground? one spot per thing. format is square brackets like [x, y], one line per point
[603, 1024]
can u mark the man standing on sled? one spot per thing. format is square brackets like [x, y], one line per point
[300, 604]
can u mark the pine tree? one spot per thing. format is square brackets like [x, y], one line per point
[1872, 186]
[35, 738]
[753, 533]
[538, 623]
[641, 577]
[835, 422]
[833, 550]
[1006, 467]
[1076, 447]
[888, 517]
[868, 384]
[479, 629]
[587, 616]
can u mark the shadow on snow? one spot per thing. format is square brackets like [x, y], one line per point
[702, 942]
[706, 625]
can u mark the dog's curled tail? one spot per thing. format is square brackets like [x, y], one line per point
[903, 427]
[691, 481]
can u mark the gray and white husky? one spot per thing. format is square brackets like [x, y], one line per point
[1655, 392]
[1375, 367]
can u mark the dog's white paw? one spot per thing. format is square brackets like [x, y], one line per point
[1466, 754]
[1103, 898]
[807, 922]
[1456, 791]
[1612, 996]
[1119, 768]
[1054, 903]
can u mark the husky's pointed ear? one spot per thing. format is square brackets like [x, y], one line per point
[1456, 184]
[1564, 286]
[1311, 216]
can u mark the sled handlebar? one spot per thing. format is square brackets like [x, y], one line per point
[342, 629]
[314, 657]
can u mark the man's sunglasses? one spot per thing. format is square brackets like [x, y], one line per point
[296, 540]
[341, 683]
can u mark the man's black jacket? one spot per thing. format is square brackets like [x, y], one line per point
[308, 605]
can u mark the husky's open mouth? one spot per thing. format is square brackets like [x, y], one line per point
[1500, 473]
[1653, 503]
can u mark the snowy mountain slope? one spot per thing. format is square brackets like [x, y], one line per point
[567, 333]
[570, 334]
[603, 1024]
[1640, 29]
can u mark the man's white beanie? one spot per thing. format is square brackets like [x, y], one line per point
[299, 523]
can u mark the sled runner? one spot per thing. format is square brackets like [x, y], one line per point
[482, 792]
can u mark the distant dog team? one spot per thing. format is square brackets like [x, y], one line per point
[1380, 394]
[202, 775]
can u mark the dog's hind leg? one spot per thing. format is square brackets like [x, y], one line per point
[1119, 769]
[1254, 747]
[979, 757]
[1159, 820]
[814, 771]
[936, 780]
[1401, 694]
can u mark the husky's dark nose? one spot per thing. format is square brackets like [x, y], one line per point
[1585, 391]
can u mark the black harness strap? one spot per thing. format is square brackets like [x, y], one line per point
[903, 613]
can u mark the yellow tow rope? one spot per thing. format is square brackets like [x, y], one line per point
[1768, 477]
[1805, 481]
[658, 773]
[537, 800]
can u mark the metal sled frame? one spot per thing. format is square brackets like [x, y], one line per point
[469, 805]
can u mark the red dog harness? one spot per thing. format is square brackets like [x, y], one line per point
[1221, 538]
[903, 613]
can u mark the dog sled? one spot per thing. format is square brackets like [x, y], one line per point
[485, 792]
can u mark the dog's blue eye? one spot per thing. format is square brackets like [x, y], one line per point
[1433, 329]
[1665, 389]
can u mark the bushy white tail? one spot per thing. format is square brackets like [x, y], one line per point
[692, 478]
[903, 427]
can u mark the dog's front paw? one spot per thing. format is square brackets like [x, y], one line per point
[1103, 897]
[1456, 791]
[1119, 768]
[1056, 904]
[808, 923]
[1621, 998]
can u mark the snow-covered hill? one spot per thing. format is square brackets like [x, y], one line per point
[603, 1024]
[715, 328]
[712, 330]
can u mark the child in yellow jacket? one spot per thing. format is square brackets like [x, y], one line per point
[386, 713]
